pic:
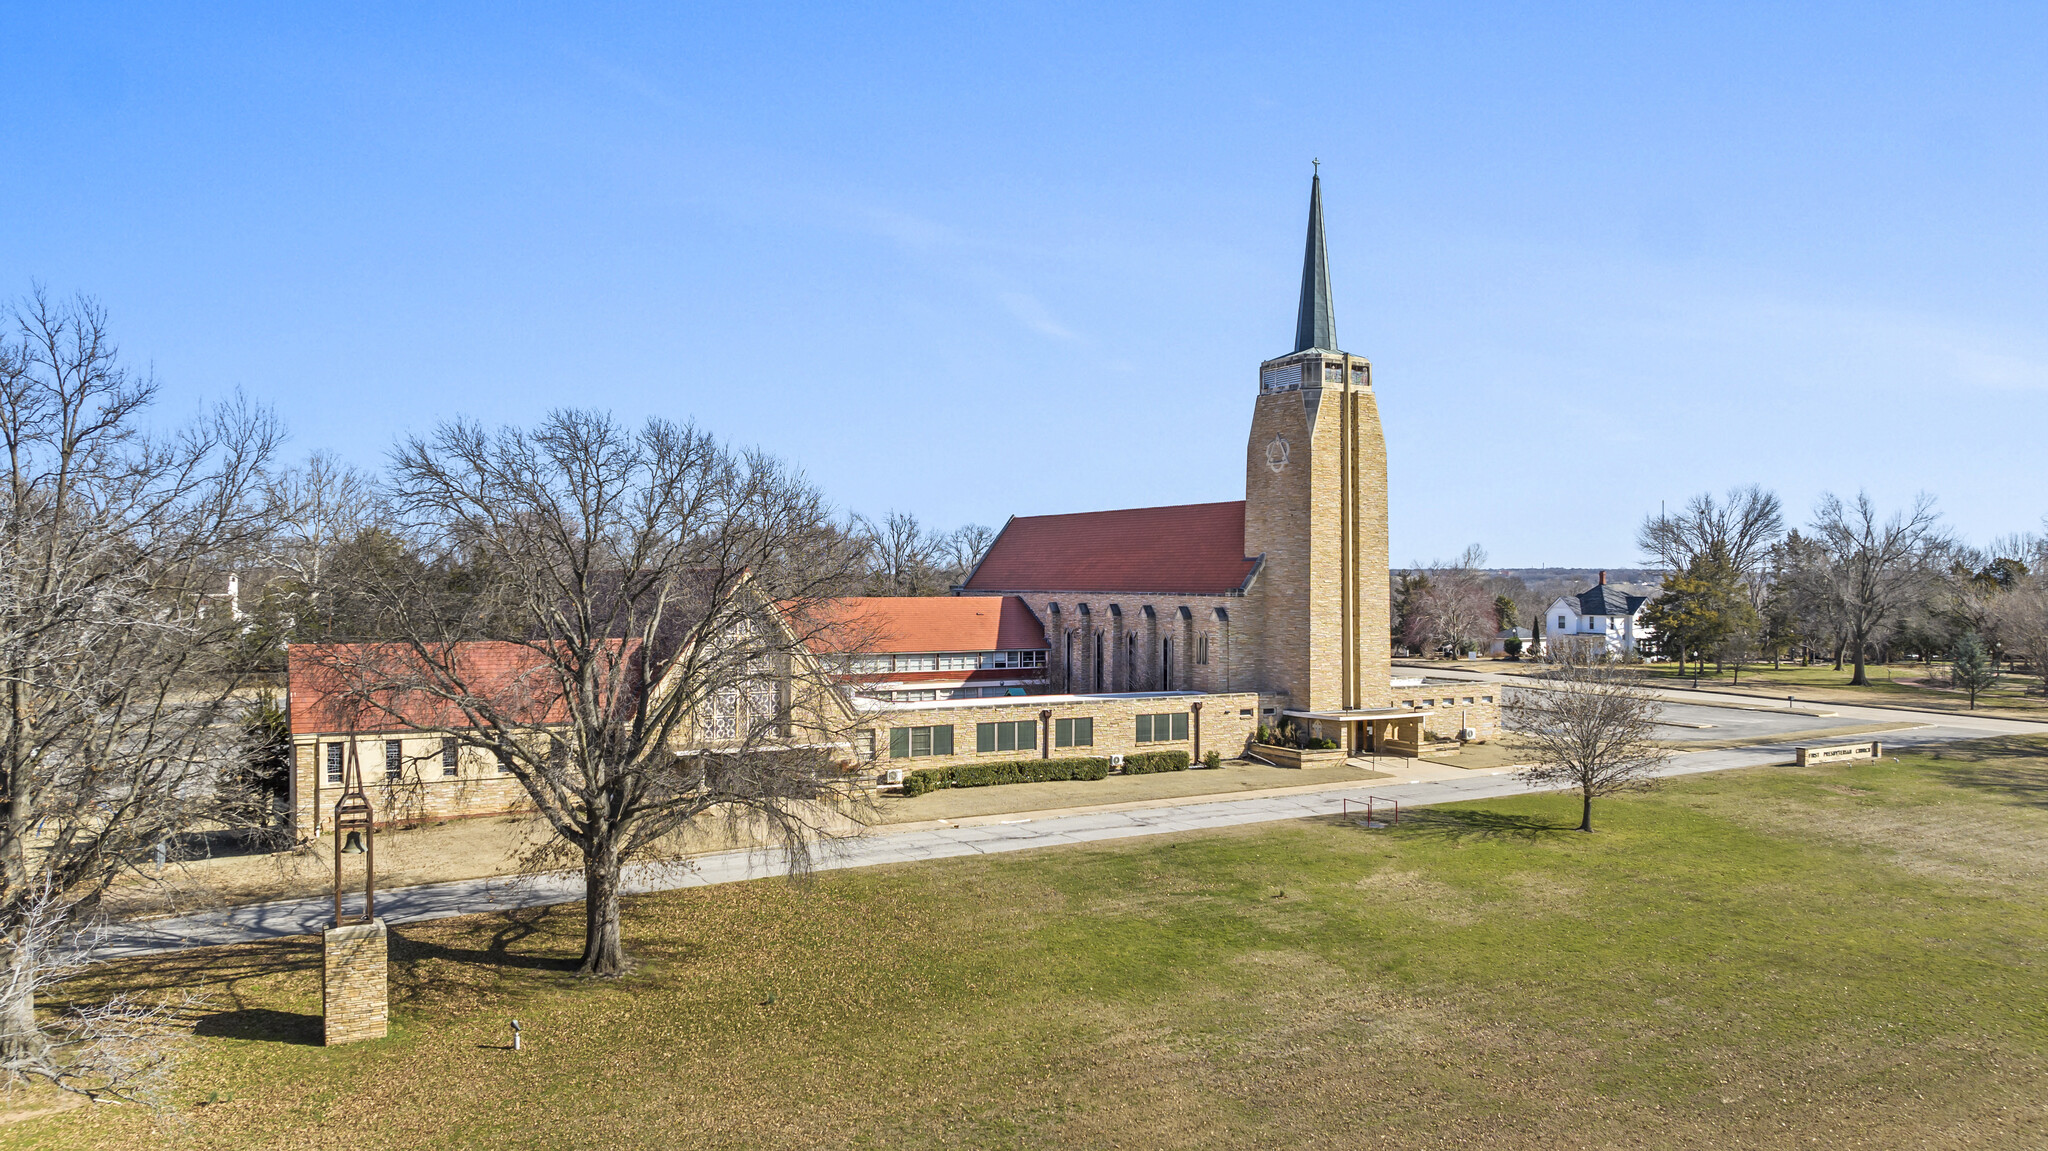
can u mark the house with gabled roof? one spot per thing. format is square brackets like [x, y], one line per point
[1604, 621]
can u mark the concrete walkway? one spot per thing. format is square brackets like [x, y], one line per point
[983, 835]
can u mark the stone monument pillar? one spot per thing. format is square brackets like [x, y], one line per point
[354, 984]
[354, 976]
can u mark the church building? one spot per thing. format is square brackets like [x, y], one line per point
[1099, 634]
[1281, 597]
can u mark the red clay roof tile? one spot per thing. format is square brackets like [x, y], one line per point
[1197, 549]
[935, 623]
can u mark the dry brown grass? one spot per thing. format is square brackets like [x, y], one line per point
[1724, 966]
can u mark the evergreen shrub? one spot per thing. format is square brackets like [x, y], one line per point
[1008, 771]
[1149, 762]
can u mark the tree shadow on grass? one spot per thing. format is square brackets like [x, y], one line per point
[2014, 768]
[264, 1025]
[1478, 823]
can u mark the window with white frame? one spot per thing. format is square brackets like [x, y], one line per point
[450, 751]
[335, 753]
[394, 758]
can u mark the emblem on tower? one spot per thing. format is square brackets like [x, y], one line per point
[1276, 453]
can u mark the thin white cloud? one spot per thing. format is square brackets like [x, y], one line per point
[1034, 315]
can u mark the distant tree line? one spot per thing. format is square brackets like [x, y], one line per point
[1859, 584]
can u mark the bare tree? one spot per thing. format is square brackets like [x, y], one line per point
[117, 683]
[321, 508]
[2023, 619]
[1744, 527]
[1876, 566]
[1449, 605]
[1592, 727]
[648, 603]
[902, 557]
[964, 547]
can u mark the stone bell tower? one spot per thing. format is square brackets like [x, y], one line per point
[1316, 510]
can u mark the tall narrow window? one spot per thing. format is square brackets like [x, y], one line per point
[334, 754]
[394, 758]
[1098, 662]
[1166, 665]
[1202, 648]
[1131, 661]
[1067, 664]
[449, 752]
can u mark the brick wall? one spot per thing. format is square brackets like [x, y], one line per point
[354, 982]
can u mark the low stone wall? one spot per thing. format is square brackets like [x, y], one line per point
[1297, 757]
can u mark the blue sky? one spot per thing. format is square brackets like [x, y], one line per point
[969, 261]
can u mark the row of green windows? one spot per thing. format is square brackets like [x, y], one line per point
[1163, 726]
[1022, 734]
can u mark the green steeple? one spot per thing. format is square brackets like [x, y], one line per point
[1315, 325]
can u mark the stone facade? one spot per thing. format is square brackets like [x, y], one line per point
[355, 986]
[1227, 721]
[1316, 514]
[421, 792]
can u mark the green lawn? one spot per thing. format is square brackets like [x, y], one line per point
[1893, 684]
[1838, 957]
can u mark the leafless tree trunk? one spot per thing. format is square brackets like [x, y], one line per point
[116, 681]
[1875, 565]
[656, 597]
[1593, 726]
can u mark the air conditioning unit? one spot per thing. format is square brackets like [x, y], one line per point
[1116, 761]
[892, 777]
[1468, 734]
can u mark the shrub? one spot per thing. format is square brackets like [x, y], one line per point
[1008, 771]
[1149, 762]
[1212, 758]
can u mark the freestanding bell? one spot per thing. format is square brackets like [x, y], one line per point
[354, 844]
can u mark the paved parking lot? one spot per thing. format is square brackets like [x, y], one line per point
[1730, 723]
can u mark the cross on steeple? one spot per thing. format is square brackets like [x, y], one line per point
[1315, 324]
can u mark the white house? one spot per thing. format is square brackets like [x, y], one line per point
[1602, 620]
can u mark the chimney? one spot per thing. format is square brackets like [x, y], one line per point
[1603, 578]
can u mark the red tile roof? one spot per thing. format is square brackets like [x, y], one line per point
[1196, 549]
[333, 687]
[883, 624]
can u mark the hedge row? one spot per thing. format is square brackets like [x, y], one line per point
[1011, 771]
[1148, 762]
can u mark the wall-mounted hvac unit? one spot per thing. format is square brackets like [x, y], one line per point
[892, 777]
[1468, 734]
[1116, 761]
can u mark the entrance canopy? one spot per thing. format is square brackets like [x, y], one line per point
[1363, 713]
